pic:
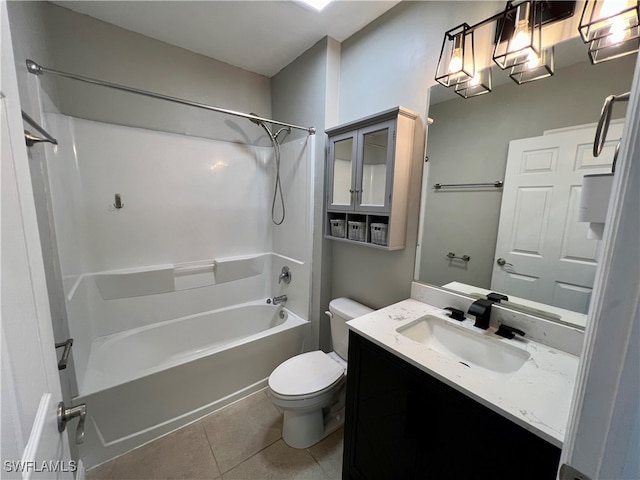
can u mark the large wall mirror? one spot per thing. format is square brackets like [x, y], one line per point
[537, 138]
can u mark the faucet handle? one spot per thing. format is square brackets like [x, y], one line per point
[456, 314]
[508, 332]
[285, 275]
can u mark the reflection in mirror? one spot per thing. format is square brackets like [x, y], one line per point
[374, 168]
[342, 167]
[524, 239]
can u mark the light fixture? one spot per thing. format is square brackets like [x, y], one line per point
[535, 68]
[478, 85]
[456, 63]
[522, 43]
[611, 28]
[518, 46]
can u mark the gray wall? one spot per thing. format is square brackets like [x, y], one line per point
[392, 62]
[90, 47]
[468, 143]
[304, 93]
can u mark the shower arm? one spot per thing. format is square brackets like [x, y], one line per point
[37, 69]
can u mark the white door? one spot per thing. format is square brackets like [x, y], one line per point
[549, 257]
[31, 445]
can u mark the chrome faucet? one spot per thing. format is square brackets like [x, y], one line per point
[279, 300]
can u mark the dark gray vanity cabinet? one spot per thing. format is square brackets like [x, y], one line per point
[402, 423]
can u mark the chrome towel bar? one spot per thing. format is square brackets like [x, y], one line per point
[496, 184]
[31, 139]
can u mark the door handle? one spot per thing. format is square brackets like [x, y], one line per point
[62, 364]
[502, 262]
[65, 414]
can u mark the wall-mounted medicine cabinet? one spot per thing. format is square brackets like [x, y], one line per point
[368, 167]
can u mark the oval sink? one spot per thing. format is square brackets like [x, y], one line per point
[469, 348]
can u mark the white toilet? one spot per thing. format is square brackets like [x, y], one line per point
[310, 388]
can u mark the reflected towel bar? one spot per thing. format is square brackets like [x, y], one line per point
[603, 126]
[496, 184]
[452, 256]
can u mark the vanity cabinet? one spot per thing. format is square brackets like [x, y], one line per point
[368, 167]
[403, 423]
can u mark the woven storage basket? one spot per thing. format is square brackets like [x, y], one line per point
[337, 227]
[379, 233]
[356, 231]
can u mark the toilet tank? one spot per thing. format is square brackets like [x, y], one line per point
[342, 310]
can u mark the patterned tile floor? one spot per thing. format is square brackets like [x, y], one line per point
[242, 441]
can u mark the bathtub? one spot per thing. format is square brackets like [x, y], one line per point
[143, 383]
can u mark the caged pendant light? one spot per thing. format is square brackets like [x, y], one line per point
[535, 68]
[520, 37]
[456, 64]
[611, 28]
[479, 84]
[518, 46]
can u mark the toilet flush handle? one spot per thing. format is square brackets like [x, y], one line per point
[328, 314]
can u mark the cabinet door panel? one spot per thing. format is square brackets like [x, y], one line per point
[403, 423]
[341, 179]
[383, 440]
[375, 167]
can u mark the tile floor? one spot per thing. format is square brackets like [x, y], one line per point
[242, 441]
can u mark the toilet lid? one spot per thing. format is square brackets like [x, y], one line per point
[304, 374]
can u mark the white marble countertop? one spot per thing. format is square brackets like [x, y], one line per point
[537, 396]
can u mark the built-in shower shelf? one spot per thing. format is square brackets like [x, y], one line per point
[155, 279]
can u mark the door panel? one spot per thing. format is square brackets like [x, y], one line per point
[30, 383]
[550, 258]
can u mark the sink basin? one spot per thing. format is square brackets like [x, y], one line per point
[474, 350]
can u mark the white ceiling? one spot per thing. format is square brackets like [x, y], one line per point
[259, 36]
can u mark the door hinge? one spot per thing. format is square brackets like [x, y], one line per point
[567, 472]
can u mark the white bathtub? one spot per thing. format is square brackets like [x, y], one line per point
[143, 383]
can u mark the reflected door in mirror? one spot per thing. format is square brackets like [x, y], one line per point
[545, 253]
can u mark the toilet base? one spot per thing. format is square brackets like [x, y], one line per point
[304, 429]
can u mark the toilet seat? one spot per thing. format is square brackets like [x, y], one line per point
[305, 374]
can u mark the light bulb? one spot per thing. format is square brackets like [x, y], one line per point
[610, 8]
[521, 36]
[533, 61]
[475, 80]
[618, 31]
[455, 64]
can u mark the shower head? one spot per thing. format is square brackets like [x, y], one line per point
[257, 122]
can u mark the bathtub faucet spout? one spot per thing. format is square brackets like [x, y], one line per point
[279, 300]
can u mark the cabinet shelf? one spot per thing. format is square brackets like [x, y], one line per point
[368, 178]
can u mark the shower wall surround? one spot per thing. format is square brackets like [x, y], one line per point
[185, 200]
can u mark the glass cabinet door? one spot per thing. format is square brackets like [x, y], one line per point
[375, 168]
[342, 179]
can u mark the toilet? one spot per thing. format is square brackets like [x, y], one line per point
[310, 388]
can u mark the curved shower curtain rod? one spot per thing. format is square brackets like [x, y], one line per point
[37, 69]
